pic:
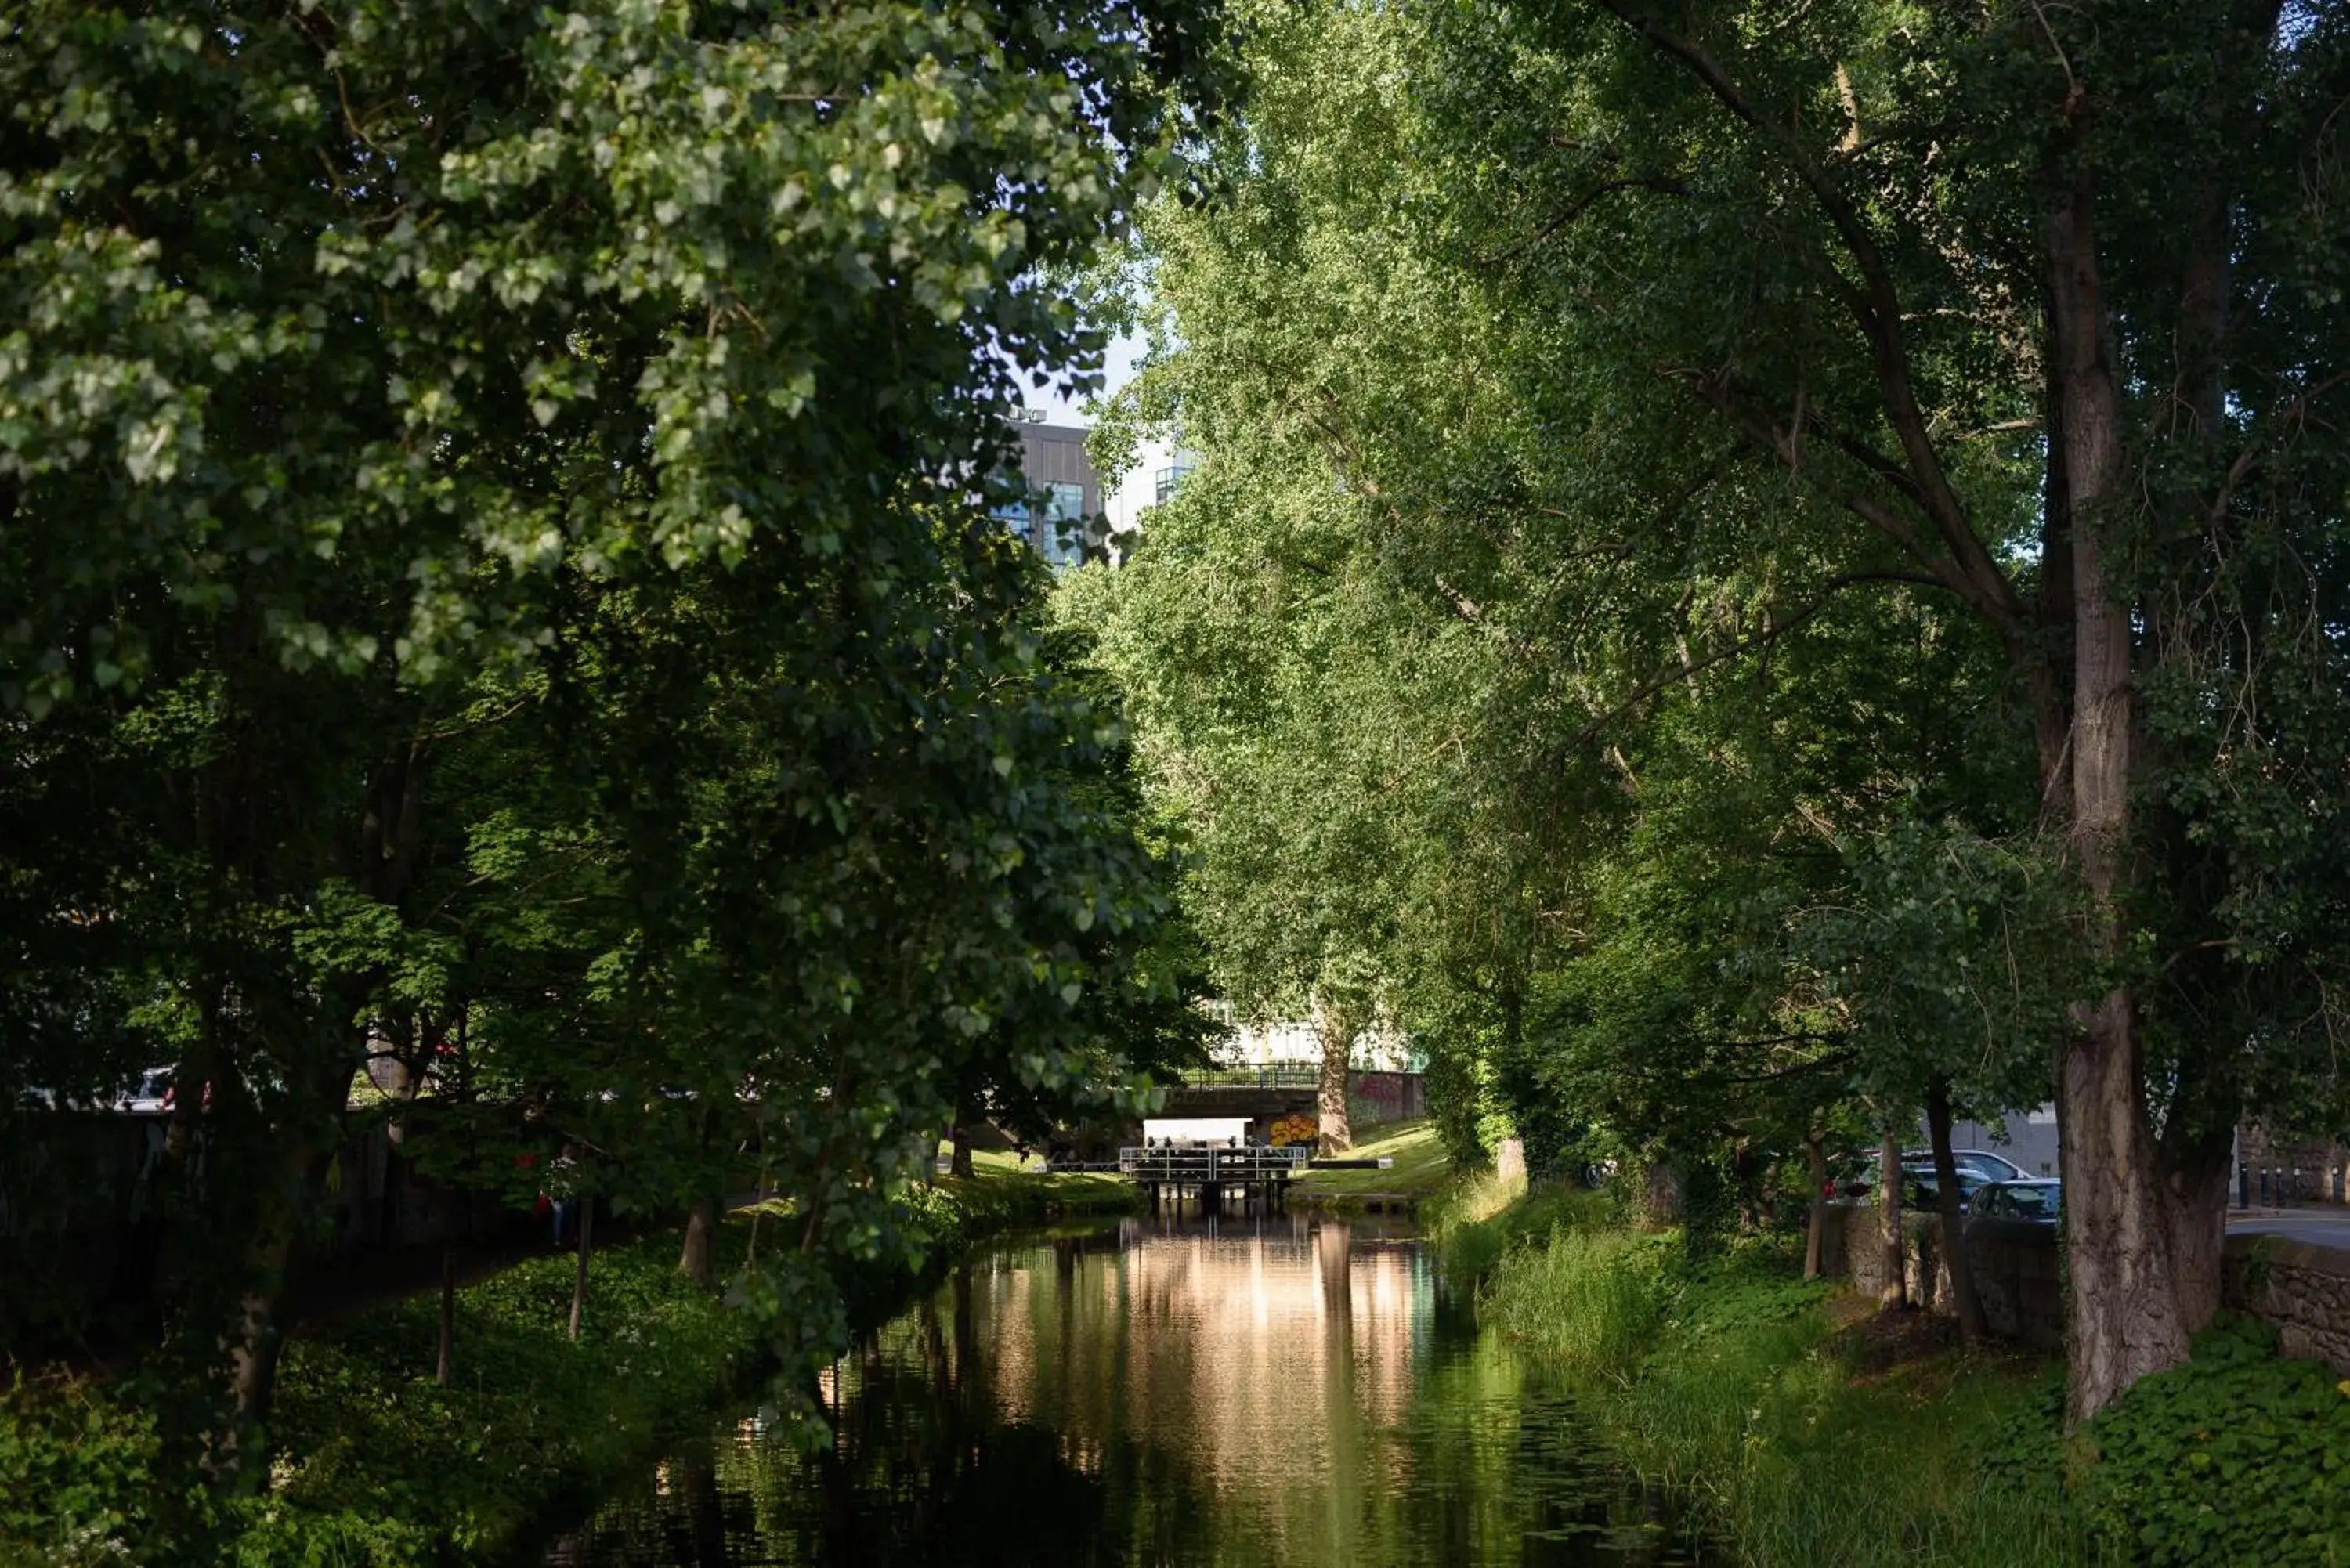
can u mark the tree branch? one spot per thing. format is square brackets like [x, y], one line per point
[1716, 392]
[1582, 205]
[1877, 311]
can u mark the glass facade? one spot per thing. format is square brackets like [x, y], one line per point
[1166, 482]
[1061, 537]
[1059, 534]
[1063, 493]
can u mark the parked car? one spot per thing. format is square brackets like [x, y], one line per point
[1920, 1188]
[151, 1093]
[2037, 1201]
[1991, 1167]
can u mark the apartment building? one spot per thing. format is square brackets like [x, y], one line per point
[1072, 515]
[1065, 507]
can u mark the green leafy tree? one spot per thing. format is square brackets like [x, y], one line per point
[1653, 332]
[367, 363]
[1982, 289]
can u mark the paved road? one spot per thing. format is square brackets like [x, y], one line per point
[2318, 1227]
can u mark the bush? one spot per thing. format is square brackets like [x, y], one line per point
[2237, 1456]
[377, 1465]
[1722, 1382]
[73, 1469]
[388, 1465]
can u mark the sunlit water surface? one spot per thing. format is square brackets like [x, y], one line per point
[1281, 1390]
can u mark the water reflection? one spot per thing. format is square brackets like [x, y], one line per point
[1272, 1390]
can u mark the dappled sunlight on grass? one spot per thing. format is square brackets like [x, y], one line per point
[1421, 1164]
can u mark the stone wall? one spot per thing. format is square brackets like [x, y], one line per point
[2018, 1272]
[2303, 1290]
[2016, 1269]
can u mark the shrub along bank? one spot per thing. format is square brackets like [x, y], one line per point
[957, 1210]
[1804, 1431]
[377, 1463]
[380, 1466]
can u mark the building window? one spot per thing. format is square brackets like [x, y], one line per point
[1058, 530]
[1168, 482]
[1060, 538]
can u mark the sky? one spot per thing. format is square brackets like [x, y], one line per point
[1124, 350]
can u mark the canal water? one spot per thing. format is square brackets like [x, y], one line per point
[1282, 1391]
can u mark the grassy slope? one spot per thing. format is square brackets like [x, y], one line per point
[1420, 1168]
[999, 1193]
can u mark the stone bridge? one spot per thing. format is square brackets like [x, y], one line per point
[1267, 1091]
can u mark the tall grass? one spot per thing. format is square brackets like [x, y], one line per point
[1725, 1383]
[1476, 1220]
[1589, 1299]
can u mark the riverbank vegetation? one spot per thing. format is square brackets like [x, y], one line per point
[1733, 1384]
[1806, 1427]
[381, 1464]
[376, 1461]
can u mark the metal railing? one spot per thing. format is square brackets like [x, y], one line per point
[1255, 1076]
[1192, 1163]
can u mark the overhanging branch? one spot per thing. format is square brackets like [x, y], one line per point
[1876, 311]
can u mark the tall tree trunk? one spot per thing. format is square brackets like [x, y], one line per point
[1895, 1290]
[448, 1314]
[961, 1132]
[387, 1205]
[2199, 1134]
[259, 1333]
[1662, 1191]
[292, 1175]
[1815, 1237]
[2124, 1318]
[1953, 1214]
[701, 1222]
[1336, 1026]
[2194, 1195]
[587, 1201]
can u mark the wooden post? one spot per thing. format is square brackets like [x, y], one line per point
[1815, 1241]
[448, 1311]
[579, 1279]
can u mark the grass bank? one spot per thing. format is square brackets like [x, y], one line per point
[1798, 1436]
[379, 1465]
[1001, 1194]
[1420, 1169]
[382, 1468]
[1805, 1429]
